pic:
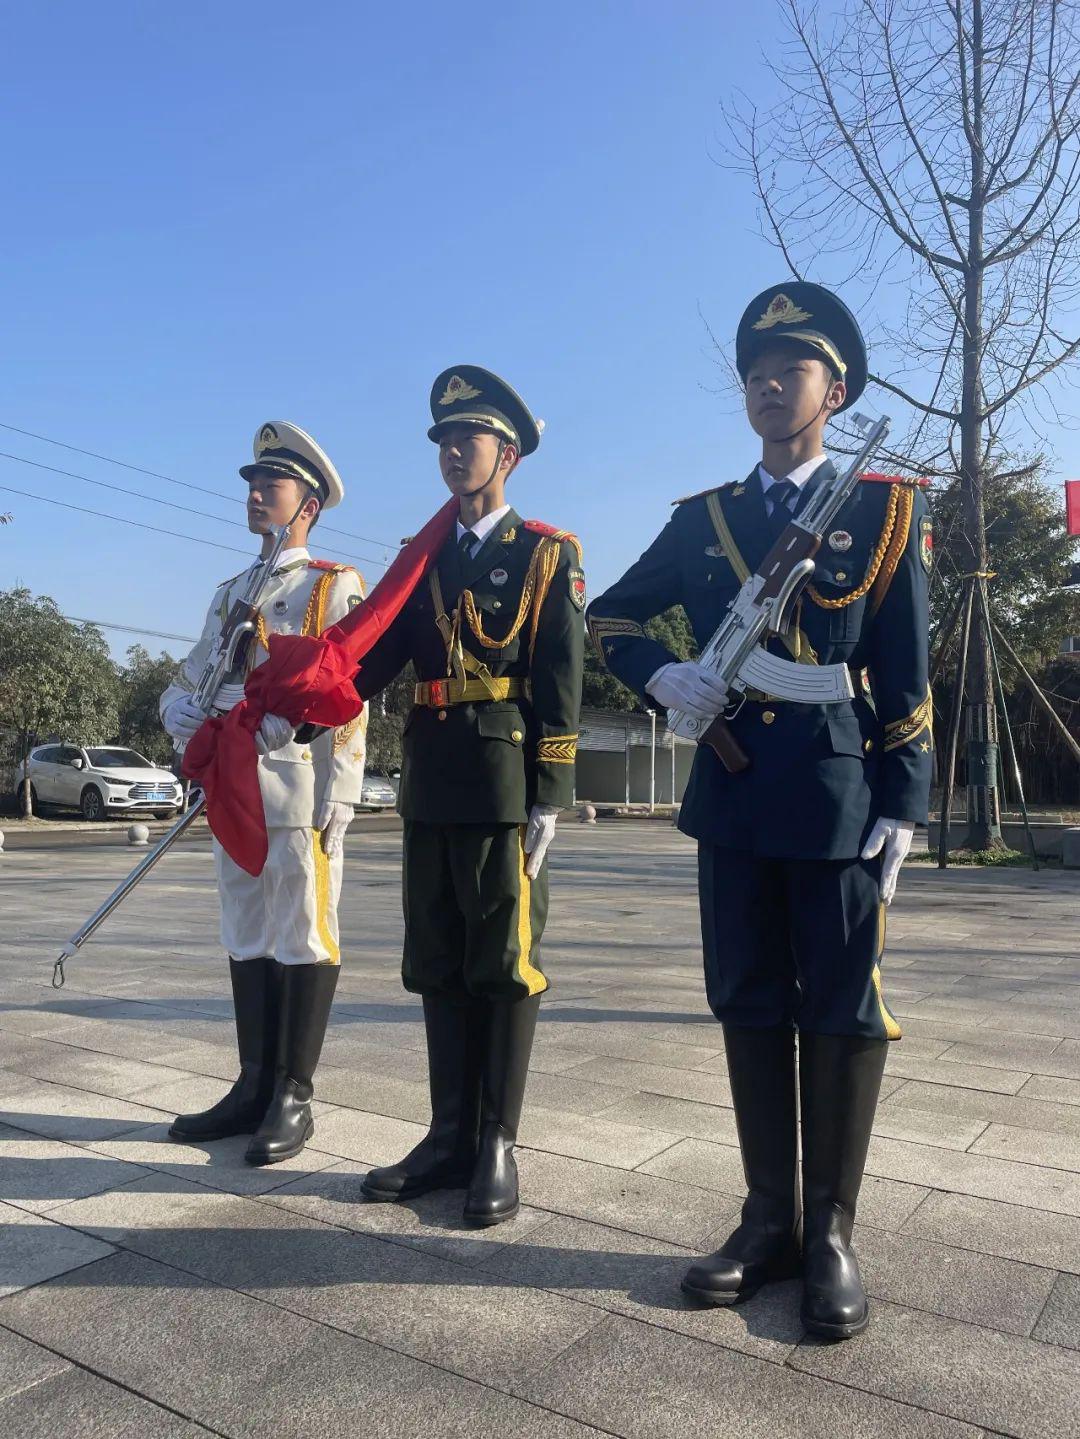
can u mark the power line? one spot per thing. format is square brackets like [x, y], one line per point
[135, 524]
[169, 504]
[128, 629]
[169, 480]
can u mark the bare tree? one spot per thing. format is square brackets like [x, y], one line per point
[927, 153]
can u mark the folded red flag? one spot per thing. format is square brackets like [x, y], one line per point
[308, 679]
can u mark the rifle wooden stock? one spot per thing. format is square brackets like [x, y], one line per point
[729, 751]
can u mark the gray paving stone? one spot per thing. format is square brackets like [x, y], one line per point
[1031, 1146]
[956, 1283]
[606, 1141]
[920, 1127]
[696, 1161]
[372, 1138]
[657, 1079]
[956, 1369]
[1060, 1320]
[262, 1372]
[964, 1076]
[58, 1112]
[678, 1116]
[622, 1199]
[38, 1174]
[218, 1165]
[1063, 1091]
[1005, 1050]
[431, 1222]
[1027, 1184]
[639, 1277]
[1027, 1111]
[24, 1365]
[988, 1226]
[649, 1383]
[33, 1248]
[75, 1405]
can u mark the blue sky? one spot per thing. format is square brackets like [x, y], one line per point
[222, 214]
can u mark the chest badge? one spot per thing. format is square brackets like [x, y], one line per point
[840, 541]
[714, 552]
[280, 606]
[498, 576]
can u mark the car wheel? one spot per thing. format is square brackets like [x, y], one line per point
[20, 799]
[91, 804]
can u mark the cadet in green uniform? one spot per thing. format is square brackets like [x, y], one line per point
[496, 636]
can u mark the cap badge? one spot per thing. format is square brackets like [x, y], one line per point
[268, 438]
[782, 310]
[840, 541]
[457, 389]
[499, 577]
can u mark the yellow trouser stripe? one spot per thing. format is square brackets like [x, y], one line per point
[322, 897]
[529, 975]
[892, 1029]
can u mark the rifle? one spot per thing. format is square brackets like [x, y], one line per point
[226, 661]
[764, 606]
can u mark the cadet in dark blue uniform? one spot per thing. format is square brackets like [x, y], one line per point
[798, 854]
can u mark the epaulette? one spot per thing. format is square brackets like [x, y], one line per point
[700, 495]
[554, 533]
[328, 565]
[222, 583]
[908, 481]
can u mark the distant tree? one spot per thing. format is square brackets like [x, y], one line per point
[602, 691]
[1029, 553]
[387, 713]
[57, 680]
[142, 681]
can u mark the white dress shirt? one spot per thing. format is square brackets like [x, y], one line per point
[798, 476]
[483, 527]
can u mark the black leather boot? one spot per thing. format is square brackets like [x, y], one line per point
[493, 1193]
[765, 1245]
[307, 992]
[445, 1157]
[839, 1080]
[255, 1002]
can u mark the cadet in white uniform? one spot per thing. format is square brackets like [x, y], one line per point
[280, 928]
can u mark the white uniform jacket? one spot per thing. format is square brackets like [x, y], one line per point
[303, 597]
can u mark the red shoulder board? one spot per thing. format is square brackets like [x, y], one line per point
[538, 527]
[327, 565]
[911, 483]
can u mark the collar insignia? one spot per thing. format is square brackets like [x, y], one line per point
[738, 490]
[508, 537]
[457, 389]
[782, 310]
[268, 438]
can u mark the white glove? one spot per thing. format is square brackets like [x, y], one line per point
[539, 833]
[689, 687]
[183, 718]
[272, 734]
[334, 819]
[227, 698]
[896, 836]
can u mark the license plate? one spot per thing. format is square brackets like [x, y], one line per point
[157, 796]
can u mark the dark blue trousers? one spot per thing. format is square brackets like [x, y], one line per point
[794, 941]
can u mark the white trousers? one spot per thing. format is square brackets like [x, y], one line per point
[289, 912]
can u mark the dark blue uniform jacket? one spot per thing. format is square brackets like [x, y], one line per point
[819, 774]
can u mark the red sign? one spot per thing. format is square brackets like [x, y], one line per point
[1072, 506]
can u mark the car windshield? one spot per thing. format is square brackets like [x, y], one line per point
[118, 759]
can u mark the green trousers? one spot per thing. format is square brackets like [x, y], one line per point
[473, 918]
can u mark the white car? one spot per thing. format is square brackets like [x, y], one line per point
[103, 780]
[377, 792]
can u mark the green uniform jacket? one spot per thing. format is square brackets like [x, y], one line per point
[488, 762]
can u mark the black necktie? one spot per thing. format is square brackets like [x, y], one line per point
[782, 497]
[465, 546]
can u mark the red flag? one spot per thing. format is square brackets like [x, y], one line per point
[1072, 506]
[308, 679]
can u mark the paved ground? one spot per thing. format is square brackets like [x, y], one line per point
[157, 1290]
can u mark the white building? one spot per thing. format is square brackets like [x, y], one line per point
[630, 759]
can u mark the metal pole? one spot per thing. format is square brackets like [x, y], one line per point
[671, 738]
[1007, 723]
[626, 753]
[652, 763]
[954, 730]
[79, 938]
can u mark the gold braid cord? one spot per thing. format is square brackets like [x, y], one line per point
[903, 731]
[315, 614]
[538, 577]
[897, 546]
[876, 559]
